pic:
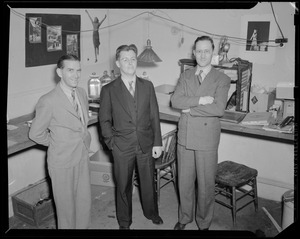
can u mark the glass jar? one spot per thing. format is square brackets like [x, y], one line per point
[94, 86]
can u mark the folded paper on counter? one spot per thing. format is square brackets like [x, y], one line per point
[257, 118]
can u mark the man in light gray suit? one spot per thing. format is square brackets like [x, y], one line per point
[201, 94]
[61, 118]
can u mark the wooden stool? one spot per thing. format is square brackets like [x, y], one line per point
[232, 176]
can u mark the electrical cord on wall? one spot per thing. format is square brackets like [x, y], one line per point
[235, 40]
[276, 20]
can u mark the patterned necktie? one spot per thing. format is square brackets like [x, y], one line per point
[199, 77]
[131, 89]
[75, 105]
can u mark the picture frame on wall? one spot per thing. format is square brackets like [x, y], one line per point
[35, 31]
[259, 32]
[258, 36]
[54, 38]
[72, 44]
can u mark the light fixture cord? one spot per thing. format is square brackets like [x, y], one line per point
[148, 26]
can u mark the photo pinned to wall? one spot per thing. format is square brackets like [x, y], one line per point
[258, 32]
[54, 38]
[35, 30]
[258, 36]
[72, 44]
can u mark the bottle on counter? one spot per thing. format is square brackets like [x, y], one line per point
[145, 76]
[112, 75]
[105, 79]
[94, 86]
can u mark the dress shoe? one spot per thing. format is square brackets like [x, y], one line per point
[157, 221]
[204, 229]
[179, 226]
[124, 228]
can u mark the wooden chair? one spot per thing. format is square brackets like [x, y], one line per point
[232, 176]
[165, 165]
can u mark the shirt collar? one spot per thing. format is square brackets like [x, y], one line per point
[126, 82]
[66, 90]
[205, 70]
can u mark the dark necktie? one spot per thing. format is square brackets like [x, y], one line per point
[131, 89]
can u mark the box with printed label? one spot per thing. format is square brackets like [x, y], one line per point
[260, 102]
[101, 168]
[34, 204]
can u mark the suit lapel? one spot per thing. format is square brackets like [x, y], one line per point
[140, 93]
[119, 94]
[65, 102]
[191, 83]
[83, 106]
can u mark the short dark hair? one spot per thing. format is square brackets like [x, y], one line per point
[125, 48]
[204, 38]
[60, 62]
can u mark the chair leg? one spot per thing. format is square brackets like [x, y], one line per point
[255, 194]
[233, 203]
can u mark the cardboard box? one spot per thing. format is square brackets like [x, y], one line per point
[259, 102]
[285, 90]
[163, 94]
[101, 168]
[34, 204]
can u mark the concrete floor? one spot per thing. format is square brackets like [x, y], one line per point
[253, 224]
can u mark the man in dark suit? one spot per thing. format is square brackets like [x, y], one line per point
[130, 125]
[201, 94]
[60, 123]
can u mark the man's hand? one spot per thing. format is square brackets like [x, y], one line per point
[206, 100]
[186, 110]
[156, 151]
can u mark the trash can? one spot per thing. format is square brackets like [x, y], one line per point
[288, 209]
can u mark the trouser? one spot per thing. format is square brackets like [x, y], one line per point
[124, 163]
[196, 166]
[72, 195]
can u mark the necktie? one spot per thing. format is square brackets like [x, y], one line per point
[199, 77]
[75, 105]
[131, 89]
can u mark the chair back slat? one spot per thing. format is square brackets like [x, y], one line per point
[169, 147]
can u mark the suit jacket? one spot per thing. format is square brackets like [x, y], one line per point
[200, 128]
[57, 125]
[116, 122]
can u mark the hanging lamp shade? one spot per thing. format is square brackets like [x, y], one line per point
[148, 55]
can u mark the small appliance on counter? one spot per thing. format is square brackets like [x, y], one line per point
[94, 107]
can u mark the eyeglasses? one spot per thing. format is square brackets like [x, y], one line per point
[127, 60]
[202, 52]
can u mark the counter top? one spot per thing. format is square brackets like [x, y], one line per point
[17, 139]
[169, 115]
